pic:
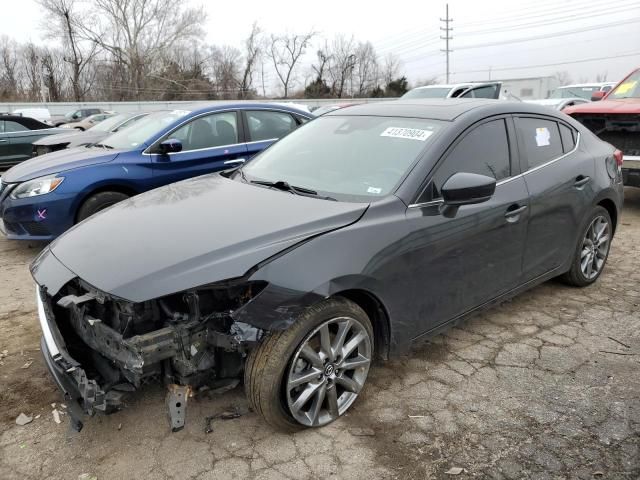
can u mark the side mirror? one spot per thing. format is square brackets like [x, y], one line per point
[467, 188]
[599, 95]
[172, 145]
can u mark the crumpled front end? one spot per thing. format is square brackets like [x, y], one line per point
[100, 349]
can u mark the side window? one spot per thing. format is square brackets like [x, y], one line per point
[10, 126]
[484, 150]
[568, 138]
[211, 131]
[541, 140]
[488, 91]
[267, 125]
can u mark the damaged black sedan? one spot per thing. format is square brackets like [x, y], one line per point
[363, 231]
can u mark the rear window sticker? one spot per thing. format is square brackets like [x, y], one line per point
[542, 136]
[375, 190]
[408, 133]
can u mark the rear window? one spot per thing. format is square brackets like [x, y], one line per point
[540, 139]
[568, 136]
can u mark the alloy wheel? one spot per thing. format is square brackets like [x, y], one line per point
[595, 247]
[328, 371]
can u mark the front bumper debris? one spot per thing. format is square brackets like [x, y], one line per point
[98, 360]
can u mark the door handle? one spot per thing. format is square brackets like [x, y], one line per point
[236, 160]
[581, 181]
[4, 141]
[514, 211]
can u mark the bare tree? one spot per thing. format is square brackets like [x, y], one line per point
[67, 18]
[367, 68]
[285, 52]
[226, 67]
[252, 52]
[564, 78]
[343, 61]
[137, 32]
[32, 71]
[9, 87]
[391, 68]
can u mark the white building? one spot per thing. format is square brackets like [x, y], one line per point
[529, 88]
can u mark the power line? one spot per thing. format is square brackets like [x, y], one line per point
[447, 30]
[546, 36]
[593, 59]
[556, 20]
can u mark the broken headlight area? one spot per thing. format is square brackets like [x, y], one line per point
[187, 340]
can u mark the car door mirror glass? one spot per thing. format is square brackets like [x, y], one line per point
[171, 145]
[467, 188]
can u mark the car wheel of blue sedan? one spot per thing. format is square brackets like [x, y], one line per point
[97, 202]
[310, 374]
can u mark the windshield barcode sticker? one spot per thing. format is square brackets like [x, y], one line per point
[408, 133]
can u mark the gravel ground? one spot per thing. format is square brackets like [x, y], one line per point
[544, 386]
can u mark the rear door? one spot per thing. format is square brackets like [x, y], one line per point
[210, 143]
[558, 176]
[264, 127]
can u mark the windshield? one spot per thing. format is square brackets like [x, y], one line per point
[348, 158]
[143, 130]
[109, 123]
[573, 92]
[69, 115]
[427, 93]
[629, 88]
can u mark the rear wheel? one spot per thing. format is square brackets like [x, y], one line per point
[310, 374]
[97, 202]
[592, 250]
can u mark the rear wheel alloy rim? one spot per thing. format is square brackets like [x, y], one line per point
[328, 371]
[595, 247]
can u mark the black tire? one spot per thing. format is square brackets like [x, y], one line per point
[575, 275]
[269, 362]
[79, 128]
[97, 202]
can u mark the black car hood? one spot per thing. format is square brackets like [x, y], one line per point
[191, 233]
[56, 162]
[72, 138]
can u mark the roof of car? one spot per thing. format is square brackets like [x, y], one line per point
[199, 108]
[593, 84]
[446, 85]
[439, 109]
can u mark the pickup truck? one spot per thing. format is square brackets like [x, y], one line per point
[614, 116]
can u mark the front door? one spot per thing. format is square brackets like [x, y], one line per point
[457, 264]
[209, 143]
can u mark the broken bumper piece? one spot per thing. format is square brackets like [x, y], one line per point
[82, 394]
[99, 349]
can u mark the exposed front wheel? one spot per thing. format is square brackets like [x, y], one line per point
[97, 202]
[311, 373]
[592, 250]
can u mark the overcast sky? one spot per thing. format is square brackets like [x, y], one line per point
[559, 35]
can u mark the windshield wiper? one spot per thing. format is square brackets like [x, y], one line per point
[284, 186]
[103, 145]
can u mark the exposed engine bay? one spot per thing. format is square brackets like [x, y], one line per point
[620, 130]
[188, 341]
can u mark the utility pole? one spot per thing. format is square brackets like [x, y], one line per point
[447, 30]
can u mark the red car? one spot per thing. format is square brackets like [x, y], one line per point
[615, 118]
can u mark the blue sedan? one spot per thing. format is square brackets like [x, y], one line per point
[43, 197]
